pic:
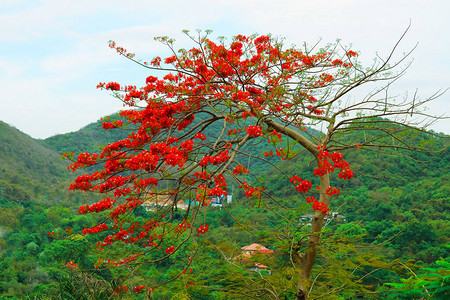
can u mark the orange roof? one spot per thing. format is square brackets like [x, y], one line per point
[256, 247]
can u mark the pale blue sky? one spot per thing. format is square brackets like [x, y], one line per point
[53, 53]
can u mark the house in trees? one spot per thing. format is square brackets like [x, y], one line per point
[215, 201]
[332, 216]
[306, 219]
[255, 249]
[337, 217]
[159, 201]
[248, 254]
[260, 268]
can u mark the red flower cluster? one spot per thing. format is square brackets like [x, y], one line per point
[139, 289]
[203, 175]
[346, 174]
[151, 79]
[320, 206]
[214, 160]
[253, 131]
[352, 53]
[170, 249]
[183, 226]
[332, 191]
[71, 265]
[251, 191]
[97, 207]
[113, 86]
[115, 124]
[187, 145]
[326, 167]
[200, 136]
[96, 229]
[268, 153]
[240, 169]
[220, 187]
[202, 229]
[303, 186]
[317, 205]
[276, 133]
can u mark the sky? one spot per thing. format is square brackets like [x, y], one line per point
[54, 53]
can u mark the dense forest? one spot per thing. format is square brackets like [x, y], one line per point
[389, 238]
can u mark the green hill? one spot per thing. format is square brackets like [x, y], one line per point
[28, 170]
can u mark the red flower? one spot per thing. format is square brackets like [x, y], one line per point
[253, 131]
[151, 79]
[71, 265]
[240, 169]
[139, 289]
[170, 249]
[200, 136]
[113, 86]
[170, 59]
[303, 187]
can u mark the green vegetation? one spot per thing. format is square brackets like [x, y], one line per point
[394, 243]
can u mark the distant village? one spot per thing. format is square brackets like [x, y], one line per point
[159, 201]
[247, 252]
[332, 216]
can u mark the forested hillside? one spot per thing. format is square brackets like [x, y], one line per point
[395, 228]
[29, 171]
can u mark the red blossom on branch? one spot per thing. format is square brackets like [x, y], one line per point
[113, 86]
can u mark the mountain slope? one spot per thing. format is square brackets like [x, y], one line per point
[28, 170]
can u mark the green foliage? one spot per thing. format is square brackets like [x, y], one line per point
[430, 283]
[395, 210]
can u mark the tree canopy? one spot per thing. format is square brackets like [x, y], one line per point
[217, 106]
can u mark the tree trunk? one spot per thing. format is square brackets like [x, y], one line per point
[305, 261]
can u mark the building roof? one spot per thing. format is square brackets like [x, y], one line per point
[257, 247]
[260, 266]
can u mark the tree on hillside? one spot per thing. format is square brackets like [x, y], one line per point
[191, 129]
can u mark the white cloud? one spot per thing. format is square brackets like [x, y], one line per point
[40, 109]
[11, 69]
[56, 51]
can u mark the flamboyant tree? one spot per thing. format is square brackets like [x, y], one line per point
[189, 127]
